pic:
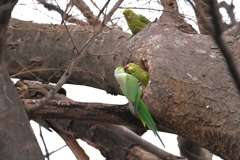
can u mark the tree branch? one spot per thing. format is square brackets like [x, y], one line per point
[230, 11]
[191, 92]
[116, 146]
[86, 11]
[65, 16]
[45, 146]
[70, 141]
[74, 62]
[171, 14]
[106, 113]
[217, 36]
[131, 142]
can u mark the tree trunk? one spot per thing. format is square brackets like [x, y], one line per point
[17, 139]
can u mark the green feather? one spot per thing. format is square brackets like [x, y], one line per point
[136, 22]
[146, 118]
[138, 72]
[143, 19]
[130, 88]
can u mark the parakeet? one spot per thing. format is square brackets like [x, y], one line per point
[131, 90]
[136, 22]
[138, 72]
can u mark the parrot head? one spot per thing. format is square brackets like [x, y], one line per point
[119, 70]
[131, 67]
[127, 13]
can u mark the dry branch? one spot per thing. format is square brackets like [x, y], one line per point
[106, 113]
[86, 11]
[73, 63]
[65, 16]
[230, 11]
[68, 129]
[70, 140]
[215, 30]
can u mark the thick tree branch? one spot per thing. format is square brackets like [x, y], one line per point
[106, 113]
[192, 151]
[81, 53]
[234, 30]
[171, 14]
[217, 36]
[204, 17]
[191, 92]
[116, 143]
[230, 12]
[130, 142]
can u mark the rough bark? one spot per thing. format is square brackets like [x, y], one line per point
[190, 93]
[202, 7]
[107, 138]
[191, 151]
[119, 142]
[17, 140]
[36, 61]
[230, 11]
[171, 14]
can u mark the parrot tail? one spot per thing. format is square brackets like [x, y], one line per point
[146, 118]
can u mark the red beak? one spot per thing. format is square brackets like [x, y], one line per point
[126, 67]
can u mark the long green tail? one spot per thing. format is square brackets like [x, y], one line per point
[146, 119]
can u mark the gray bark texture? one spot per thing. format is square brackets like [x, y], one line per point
[190, 93]
[17, 140]
[113, 141]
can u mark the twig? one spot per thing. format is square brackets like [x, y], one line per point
[74, 62]
[101, 11]
[57, 149]
[109, 15]
[69, 140]
[45, 146]
[152, 9]
[95, 5]
[91, 18]
[55, 8]
[217, 36]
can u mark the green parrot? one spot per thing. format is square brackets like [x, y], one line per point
[130, 88]
[136, 22]
[138, 72]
